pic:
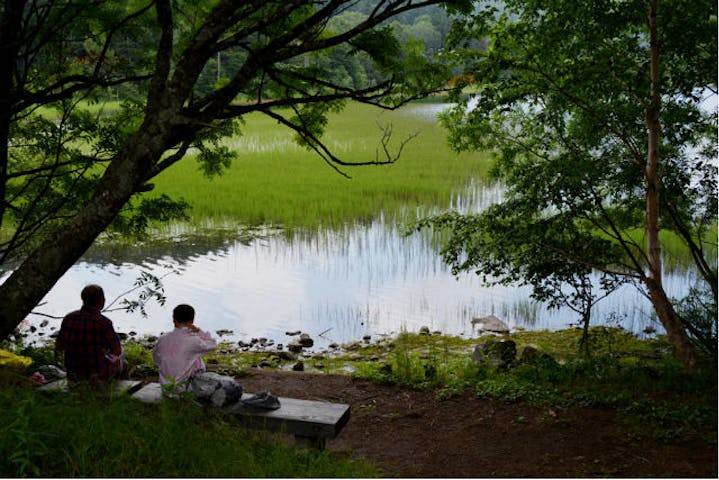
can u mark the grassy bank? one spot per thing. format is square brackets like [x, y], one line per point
[275, 181]
[76, 435]
[637, 377]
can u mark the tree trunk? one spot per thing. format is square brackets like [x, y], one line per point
[43, 267]
[662, 306]
[10, 22]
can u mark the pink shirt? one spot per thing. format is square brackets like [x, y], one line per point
[178, 354]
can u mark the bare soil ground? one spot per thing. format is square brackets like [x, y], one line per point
[409, 433]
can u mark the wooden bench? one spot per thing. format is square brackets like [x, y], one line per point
[311, 422]
[62, 385]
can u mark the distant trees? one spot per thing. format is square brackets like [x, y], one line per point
[594, 109]
[67, 173]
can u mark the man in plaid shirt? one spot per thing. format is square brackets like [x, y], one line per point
[92, 348]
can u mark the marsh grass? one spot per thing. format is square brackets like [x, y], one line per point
[82, 434]
[275, 181]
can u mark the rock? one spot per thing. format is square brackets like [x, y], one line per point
[496, 353]
[215, 389]
[254, 341]
[263, 341]
[223, 332]
[33, 328]
[123, 336]
[132, 334]
[531, 355]
[306, 341]
[55, 334]
[386, 369]
[44, 323]
[318, 356]
[333, 345]
[374, 358]
[367, 338]
[424, 330]
[437, 332]
[151, 339]
[319, 366]
[264, 364]
[294, 347]
[287, 356]
[352, 346]
[490, 323]
[280, 346]
[292, 334]
[298, 367]
[244, 344]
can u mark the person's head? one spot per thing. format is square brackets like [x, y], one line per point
[93, 296]
[183, 315]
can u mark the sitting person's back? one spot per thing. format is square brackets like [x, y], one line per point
[92, 348]
[178, 354]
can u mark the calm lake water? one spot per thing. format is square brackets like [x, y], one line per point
[363, 280]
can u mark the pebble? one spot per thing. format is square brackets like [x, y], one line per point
[298, 367]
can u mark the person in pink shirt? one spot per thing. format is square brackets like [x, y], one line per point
[178, 354]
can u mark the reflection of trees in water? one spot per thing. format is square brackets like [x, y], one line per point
[180, 247]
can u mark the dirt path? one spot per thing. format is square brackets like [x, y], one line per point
[409, 433]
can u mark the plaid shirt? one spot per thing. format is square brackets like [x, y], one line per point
[92, 348]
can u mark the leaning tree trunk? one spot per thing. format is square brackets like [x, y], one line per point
[43, 267]
[662, 306]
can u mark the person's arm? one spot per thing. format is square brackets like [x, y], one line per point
[204, 343]
[61, 340]
[157, 352]
[112, 339]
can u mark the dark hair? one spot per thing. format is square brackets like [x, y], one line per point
[92, 295]
[183, 313]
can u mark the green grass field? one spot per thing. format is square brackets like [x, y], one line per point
[275, 181]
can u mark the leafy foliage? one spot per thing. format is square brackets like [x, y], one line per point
[564, 96]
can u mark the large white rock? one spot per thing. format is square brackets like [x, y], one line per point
[490, 323]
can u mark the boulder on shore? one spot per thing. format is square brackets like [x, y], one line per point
[496, 353]
[306, 341]
[531, 355]
[490, 323]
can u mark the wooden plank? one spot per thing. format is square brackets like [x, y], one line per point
[61, 385]
[302, 418]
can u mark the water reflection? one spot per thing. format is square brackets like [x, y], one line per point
[364, 279]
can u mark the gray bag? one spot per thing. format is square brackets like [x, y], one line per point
[215, 389]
